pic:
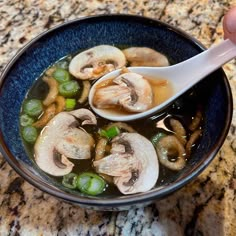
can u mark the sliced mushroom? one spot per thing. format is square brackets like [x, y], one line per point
[75, 144]
[60, 102]
[192, 141]
[196, 120]
[100, 150]
[53, 90]
[110, 96]
[122, 125]
[133, 163]
[142, 56]
[49, 113]
[85, 92]
[61, 139]
[130, 91]
[179, 130]
[87, 117]
[171, 152]
[97, 61]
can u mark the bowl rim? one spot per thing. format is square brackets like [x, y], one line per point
[154, 194]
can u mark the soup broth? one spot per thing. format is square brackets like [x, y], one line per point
[161, 90]
[182, 121]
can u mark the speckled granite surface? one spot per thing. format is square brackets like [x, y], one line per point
[207, 206]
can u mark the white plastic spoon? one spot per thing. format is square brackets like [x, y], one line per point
[182, 76]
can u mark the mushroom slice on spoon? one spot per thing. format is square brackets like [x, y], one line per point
[60, 140]
[143, 56]
[97, 61]
[130, 91]
[133, 162]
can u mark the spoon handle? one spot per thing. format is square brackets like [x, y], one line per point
[197, 67]
[222, 53]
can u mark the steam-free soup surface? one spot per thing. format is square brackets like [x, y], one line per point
[90, 155]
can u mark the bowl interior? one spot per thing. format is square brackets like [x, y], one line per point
[123, 31]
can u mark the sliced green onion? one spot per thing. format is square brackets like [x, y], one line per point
[29, 134]
[113, 131]
[90, 183]
[157, 137]
[70, 104]
[102, 133]
[83, 182]
[63, 64]
[69, 88]
[70, 180]
[96, 186]
[109, 133]
[33, 107]
[26, 120]
[61, 75]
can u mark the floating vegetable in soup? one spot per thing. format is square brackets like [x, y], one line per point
[94, 156]
[63, 138]
[142, 56]
[132, 162]
[97, 61]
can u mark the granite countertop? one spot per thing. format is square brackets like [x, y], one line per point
[206, 206]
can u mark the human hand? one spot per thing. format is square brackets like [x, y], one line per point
[229, 25]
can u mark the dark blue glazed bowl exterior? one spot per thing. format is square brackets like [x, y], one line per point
[123, 30]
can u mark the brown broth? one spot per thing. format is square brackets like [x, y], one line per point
[183, 109]
[161, 88]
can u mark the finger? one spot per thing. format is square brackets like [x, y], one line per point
[229, 25]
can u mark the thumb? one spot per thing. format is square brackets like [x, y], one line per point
[229, 24]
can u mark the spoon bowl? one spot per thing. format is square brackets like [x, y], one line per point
[182, 77]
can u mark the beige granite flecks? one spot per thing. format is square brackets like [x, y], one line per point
[206, 206]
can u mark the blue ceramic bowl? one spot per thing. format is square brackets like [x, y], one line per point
[126, 30]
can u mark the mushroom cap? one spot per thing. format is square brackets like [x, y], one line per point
[97, 61]
[56, 142]
[133, 162]
[131, 91]
[143, 56]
